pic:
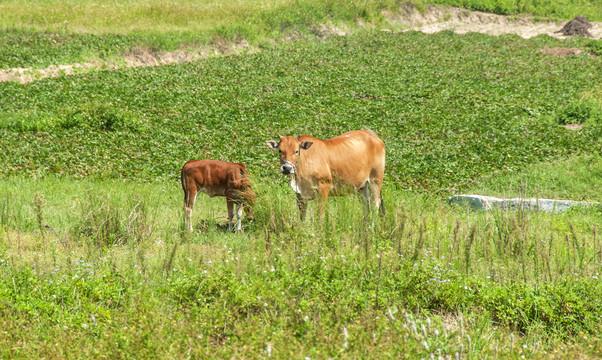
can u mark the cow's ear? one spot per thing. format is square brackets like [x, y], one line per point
[272, 144]
[305, 145]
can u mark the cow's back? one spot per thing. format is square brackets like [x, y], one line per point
[349, 159]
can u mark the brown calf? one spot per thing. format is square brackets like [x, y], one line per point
[217, 178]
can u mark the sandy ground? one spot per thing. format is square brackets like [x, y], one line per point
[461, 21]
[434, 19]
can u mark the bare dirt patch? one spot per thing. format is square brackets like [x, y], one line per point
[573, 126]
[432, 20]
[461, 21]
[142, 56]
[561, 51]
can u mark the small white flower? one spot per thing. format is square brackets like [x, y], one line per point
[390, 314]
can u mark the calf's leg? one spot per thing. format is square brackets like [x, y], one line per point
[239, 209]
[230, 205]
[190, 193]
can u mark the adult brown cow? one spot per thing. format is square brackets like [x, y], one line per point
[217, 178]
[354, 161]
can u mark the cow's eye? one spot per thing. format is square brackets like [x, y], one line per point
[296, 152]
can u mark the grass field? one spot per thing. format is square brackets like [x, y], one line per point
[248, 17]
[94, 262]
[42, 33]
[113, 271]
[450, 108]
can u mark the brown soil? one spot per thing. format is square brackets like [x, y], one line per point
[461, 21]
[142, 56]
[573, 126]
[578, 26]
[561, 51]
[432, 20]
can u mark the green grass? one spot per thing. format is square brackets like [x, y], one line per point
[449, 108]
[93, 258]
[42, 33]
[160, 16]
[428, 273]
[574, 178]
[24, 48]
[563, 9]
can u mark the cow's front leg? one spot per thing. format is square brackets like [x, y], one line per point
[302, 203]
[230, 204]
[323, 189]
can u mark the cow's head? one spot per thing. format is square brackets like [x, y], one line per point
[289, 148]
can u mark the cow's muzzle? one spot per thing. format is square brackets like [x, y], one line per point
[287, 168]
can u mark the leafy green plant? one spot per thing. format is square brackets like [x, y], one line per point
[581, 112]
[595, 47]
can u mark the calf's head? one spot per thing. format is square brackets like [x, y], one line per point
[289, 148]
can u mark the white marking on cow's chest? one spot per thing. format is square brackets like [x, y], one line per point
[295, 185]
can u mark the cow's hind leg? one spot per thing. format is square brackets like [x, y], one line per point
[365, 191]
[376, 184]
[366, 195]
[377, 196]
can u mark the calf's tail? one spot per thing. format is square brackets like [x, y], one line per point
[184, 188]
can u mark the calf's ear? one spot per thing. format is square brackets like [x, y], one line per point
[305, 145]
[272, 144]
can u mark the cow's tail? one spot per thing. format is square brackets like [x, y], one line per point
[382, 204]
[184, 188]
